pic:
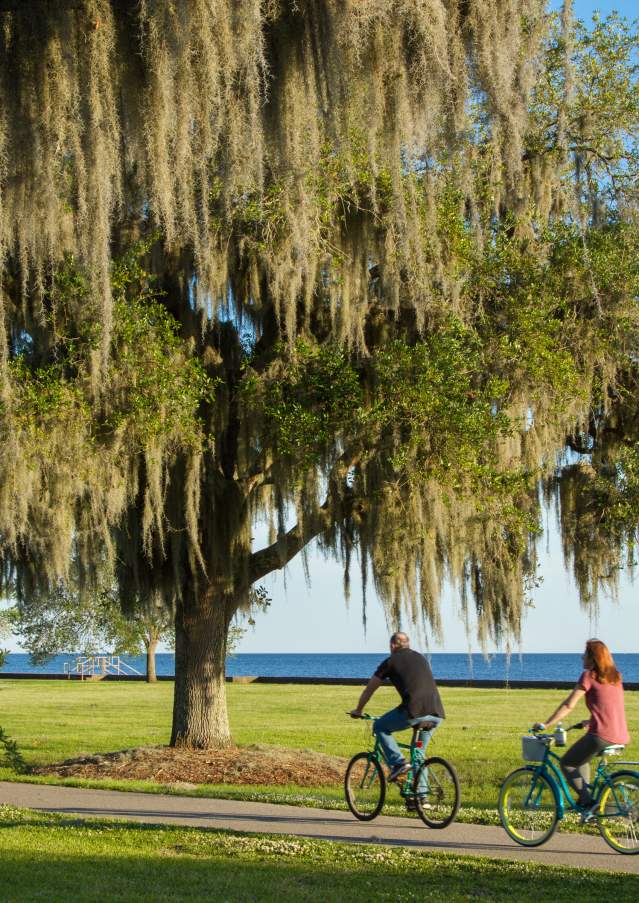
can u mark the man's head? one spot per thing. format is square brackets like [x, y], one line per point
[399, 641]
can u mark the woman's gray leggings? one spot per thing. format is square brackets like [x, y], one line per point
[575, 766]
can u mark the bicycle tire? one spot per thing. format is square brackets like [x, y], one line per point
[364, 786]
[620, 830]
[438, 804]
[528, 821]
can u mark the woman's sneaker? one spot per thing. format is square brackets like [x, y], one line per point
[398, 770]
[590, 813]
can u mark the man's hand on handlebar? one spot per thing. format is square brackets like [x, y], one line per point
[355, 713]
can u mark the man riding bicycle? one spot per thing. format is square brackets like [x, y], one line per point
[410, 674]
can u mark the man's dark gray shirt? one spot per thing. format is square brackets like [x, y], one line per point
[410, 674]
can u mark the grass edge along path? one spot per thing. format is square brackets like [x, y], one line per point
[55, 857]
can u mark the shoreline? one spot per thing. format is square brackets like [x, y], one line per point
[316, 681]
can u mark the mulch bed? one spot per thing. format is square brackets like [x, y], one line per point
[257, 764]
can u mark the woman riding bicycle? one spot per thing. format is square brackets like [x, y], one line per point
[601, 685]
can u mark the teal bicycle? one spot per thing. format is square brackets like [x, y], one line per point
[430, 787]
[534, 799]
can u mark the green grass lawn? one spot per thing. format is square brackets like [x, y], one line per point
[57, 720]
[58, 859]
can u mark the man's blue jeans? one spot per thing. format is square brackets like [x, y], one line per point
[398, 720]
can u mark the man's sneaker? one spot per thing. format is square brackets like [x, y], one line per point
[398, 770]
[411, 805]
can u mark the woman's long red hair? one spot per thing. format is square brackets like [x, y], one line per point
[603, 665]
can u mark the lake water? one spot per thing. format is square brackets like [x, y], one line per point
[445, 665]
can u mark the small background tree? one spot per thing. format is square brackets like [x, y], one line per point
[67, 621]
[5, 633]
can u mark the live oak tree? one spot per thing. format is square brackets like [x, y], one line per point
[356, 269]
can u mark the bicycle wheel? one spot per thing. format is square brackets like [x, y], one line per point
[528, 807]
[618, 812]
[364, 786]
[436, 789]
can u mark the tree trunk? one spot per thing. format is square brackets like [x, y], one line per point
[151, 675]
[200, 717]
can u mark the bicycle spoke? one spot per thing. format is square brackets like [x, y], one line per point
[436, 792]
[619, 812]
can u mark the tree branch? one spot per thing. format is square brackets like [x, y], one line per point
[285, 548]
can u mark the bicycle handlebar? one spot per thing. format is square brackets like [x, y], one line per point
[542, 735]
[364, 716]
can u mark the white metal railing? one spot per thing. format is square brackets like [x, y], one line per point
[95, 666]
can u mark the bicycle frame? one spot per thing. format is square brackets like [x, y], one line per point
[552, 771]
[416, 759]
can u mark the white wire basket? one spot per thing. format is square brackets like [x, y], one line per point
[533, 749]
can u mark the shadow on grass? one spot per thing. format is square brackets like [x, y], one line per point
[45, 859]
[174, 874]
[323, 831]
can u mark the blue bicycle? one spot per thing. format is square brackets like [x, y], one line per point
[533, 799]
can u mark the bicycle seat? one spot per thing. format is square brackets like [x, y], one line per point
[424, 726]
[615, 749]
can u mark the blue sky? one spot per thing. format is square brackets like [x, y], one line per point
[584, 8]
[316, 618]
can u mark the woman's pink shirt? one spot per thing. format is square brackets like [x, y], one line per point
[605, 704]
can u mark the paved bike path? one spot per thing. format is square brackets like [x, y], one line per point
[575, 850]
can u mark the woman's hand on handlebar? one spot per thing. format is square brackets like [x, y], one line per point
[539, 726]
